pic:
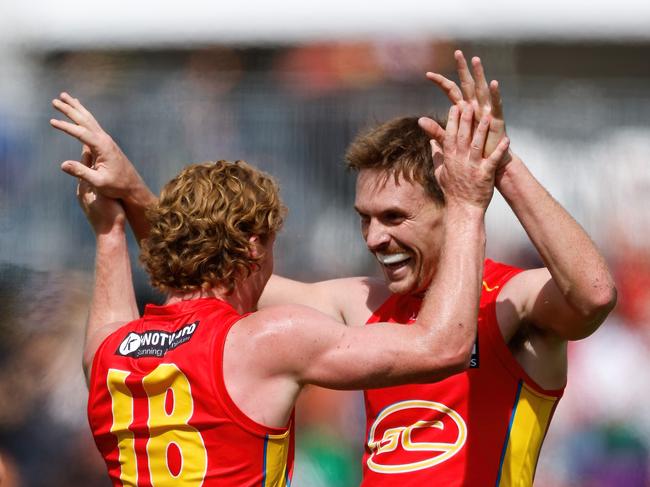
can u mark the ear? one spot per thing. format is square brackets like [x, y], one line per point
[436, 148]
[437, 156]
[255, 245]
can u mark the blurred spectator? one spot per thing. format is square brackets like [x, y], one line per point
[42, 391]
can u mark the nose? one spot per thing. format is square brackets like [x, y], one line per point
[376, 235]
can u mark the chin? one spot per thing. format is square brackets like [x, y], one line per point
[401, 287]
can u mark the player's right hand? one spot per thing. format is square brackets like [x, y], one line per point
[111, 173]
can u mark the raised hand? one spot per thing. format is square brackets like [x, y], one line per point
[464, 173]
[111, 173]
[103, 213]
[484, 98]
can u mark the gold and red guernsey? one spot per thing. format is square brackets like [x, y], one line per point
[160, 413]
[482, 427]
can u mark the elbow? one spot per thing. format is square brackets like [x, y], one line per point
[431, 367]
[454, 361]
[456, 352]
[592, 315]
[601, 302]
[607, 299]
[458, 366]
[462, 360]
[444, 353]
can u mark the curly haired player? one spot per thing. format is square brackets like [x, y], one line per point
[201, 390]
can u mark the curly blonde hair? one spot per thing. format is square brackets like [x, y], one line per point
[201, 226]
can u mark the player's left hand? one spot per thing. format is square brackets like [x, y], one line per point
[465, 175]
[112, 174]
[484, 98]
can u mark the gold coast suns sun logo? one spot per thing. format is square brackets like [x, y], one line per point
[435, 438]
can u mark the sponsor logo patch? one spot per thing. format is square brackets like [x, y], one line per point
[155, 343]
[398, 444]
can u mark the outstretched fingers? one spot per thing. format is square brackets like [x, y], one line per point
[450, 88]
[481, 85]
[495, 100]
[68, 110]
[80, 133]
[75, 111]
[88, 118]
[467, 85]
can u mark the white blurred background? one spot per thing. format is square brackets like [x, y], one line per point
[285, 86]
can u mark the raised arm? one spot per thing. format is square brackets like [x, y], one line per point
[112, 175]
[321, 351]
[113, 302]
[573, 295]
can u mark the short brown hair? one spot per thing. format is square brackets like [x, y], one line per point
[399, 147]
[201, 226]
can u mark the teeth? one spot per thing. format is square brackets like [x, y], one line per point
[392, 258]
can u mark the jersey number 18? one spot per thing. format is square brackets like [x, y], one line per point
[167, 430]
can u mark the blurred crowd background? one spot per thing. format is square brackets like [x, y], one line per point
[577, 112]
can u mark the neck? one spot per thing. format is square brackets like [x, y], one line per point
[238, 299]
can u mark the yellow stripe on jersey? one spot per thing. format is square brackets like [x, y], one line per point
[122, 408]
[276, 452]
[488, 288]
[530, 418]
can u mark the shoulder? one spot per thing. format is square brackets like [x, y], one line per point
[95, 341]
[286, 320]
[282, 338]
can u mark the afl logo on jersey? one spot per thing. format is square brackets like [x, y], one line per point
[398, 444]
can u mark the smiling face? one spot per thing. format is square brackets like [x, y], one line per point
[402, 227]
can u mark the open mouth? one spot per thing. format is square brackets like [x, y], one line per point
[393, 261]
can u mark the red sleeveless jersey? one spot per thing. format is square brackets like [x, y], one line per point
[160, 413]
[482, 427]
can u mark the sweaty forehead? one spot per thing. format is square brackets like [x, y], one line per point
[380, 187]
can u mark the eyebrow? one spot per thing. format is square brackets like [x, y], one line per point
[390, 209]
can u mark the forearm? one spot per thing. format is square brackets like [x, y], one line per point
[113, 294]
[450, 307]
[577, 267]
[135, 204]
